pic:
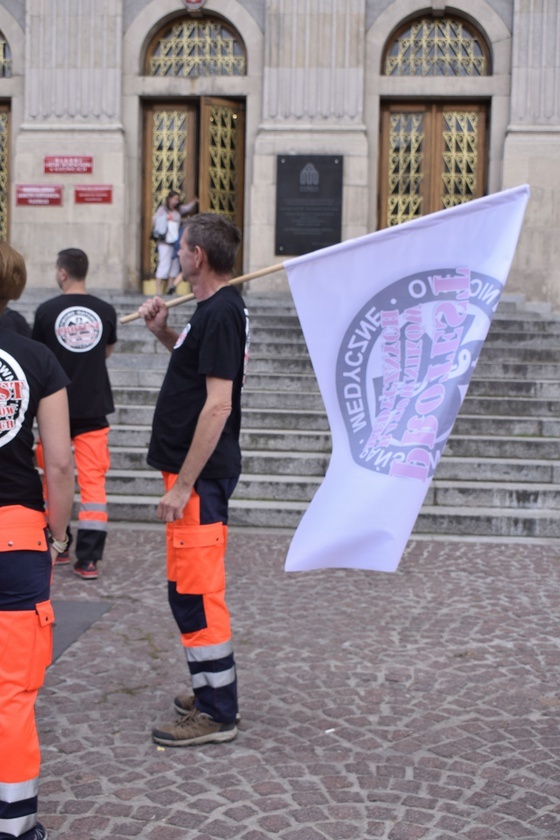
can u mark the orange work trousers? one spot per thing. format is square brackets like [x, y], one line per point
[25, 653]
[196, 548]
[92, 459]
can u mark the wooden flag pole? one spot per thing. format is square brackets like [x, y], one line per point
[126, 319]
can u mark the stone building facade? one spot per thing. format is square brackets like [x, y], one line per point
[106, 104]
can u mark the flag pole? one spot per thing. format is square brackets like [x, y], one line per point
[261, 272]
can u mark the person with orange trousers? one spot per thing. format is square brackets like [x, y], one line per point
[81, 331]
[32, 386]
[195, 443]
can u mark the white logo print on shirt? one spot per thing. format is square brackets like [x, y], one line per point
[78, 329]
[14, 397]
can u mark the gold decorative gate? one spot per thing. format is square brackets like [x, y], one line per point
[433, 156]
[221, 158]
[196, 149]
[170, 132]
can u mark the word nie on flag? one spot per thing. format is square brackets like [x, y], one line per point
[394, 323]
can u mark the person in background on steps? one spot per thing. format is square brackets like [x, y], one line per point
[165, 230]
[195, 443]
[32, 386]
[81, 330]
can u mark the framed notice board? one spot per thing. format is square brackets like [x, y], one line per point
[308, 203]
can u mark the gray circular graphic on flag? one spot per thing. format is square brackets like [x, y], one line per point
[404, 366]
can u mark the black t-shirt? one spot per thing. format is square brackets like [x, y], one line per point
[214, 343]
[28, 373]
[78, 329]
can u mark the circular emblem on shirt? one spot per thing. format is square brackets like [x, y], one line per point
[404, 366]
[14, 397]
[182, 337]
[78, 329]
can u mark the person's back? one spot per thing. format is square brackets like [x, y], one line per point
[80, 329]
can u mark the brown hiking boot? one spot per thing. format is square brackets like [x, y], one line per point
[194, 728]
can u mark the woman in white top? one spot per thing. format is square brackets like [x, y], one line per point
[166, 224]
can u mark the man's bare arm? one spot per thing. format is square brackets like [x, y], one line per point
[209, 427]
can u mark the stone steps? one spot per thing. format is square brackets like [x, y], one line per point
[498, 478]
[291, 419]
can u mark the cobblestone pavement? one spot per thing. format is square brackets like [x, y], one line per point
[422, 704]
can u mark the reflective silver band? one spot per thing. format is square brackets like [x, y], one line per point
[19, 825]
[210, 652]
[215, 679]
[16, 791]
[97, 506]
[91, 524]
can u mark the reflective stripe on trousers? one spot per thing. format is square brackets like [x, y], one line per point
[196, 547]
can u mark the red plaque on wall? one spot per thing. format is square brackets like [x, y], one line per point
[68, 164]
[93, 194]
[39, 195]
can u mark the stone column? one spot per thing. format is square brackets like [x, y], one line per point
[313, 99]
[314, 61]
[72, 107]
[532, 151]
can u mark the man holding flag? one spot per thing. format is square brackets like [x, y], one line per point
[195, 443]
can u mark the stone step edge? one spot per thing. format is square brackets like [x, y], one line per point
[442, 483]
[427, 510]
[325, 433]
[318, 412]
[459, 459]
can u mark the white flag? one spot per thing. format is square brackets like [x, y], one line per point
[394, 323]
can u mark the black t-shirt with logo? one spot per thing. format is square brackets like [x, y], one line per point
[78, 328]
[28, 373]
[214, 343]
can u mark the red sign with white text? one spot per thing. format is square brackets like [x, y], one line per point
[94, 194]
[39, 195]
[68, 164]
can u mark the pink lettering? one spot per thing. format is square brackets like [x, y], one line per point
[416, 465]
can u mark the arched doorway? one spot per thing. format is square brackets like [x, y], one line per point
[433, 152]
[195, 145]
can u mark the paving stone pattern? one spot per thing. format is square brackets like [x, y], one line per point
[422, 705]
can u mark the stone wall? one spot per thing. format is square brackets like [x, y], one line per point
[71, 107]
[532, 148]
[313, 86]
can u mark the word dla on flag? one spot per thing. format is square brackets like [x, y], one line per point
[395, 322]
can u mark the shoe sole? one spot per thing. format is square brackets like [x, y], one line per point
[87, 575]
[214, 738]
[64, 562]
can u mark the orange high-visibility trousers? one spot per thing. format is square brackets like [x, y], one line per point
[91, 454]
[92, 460]
[196, 549]
[25, 653]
